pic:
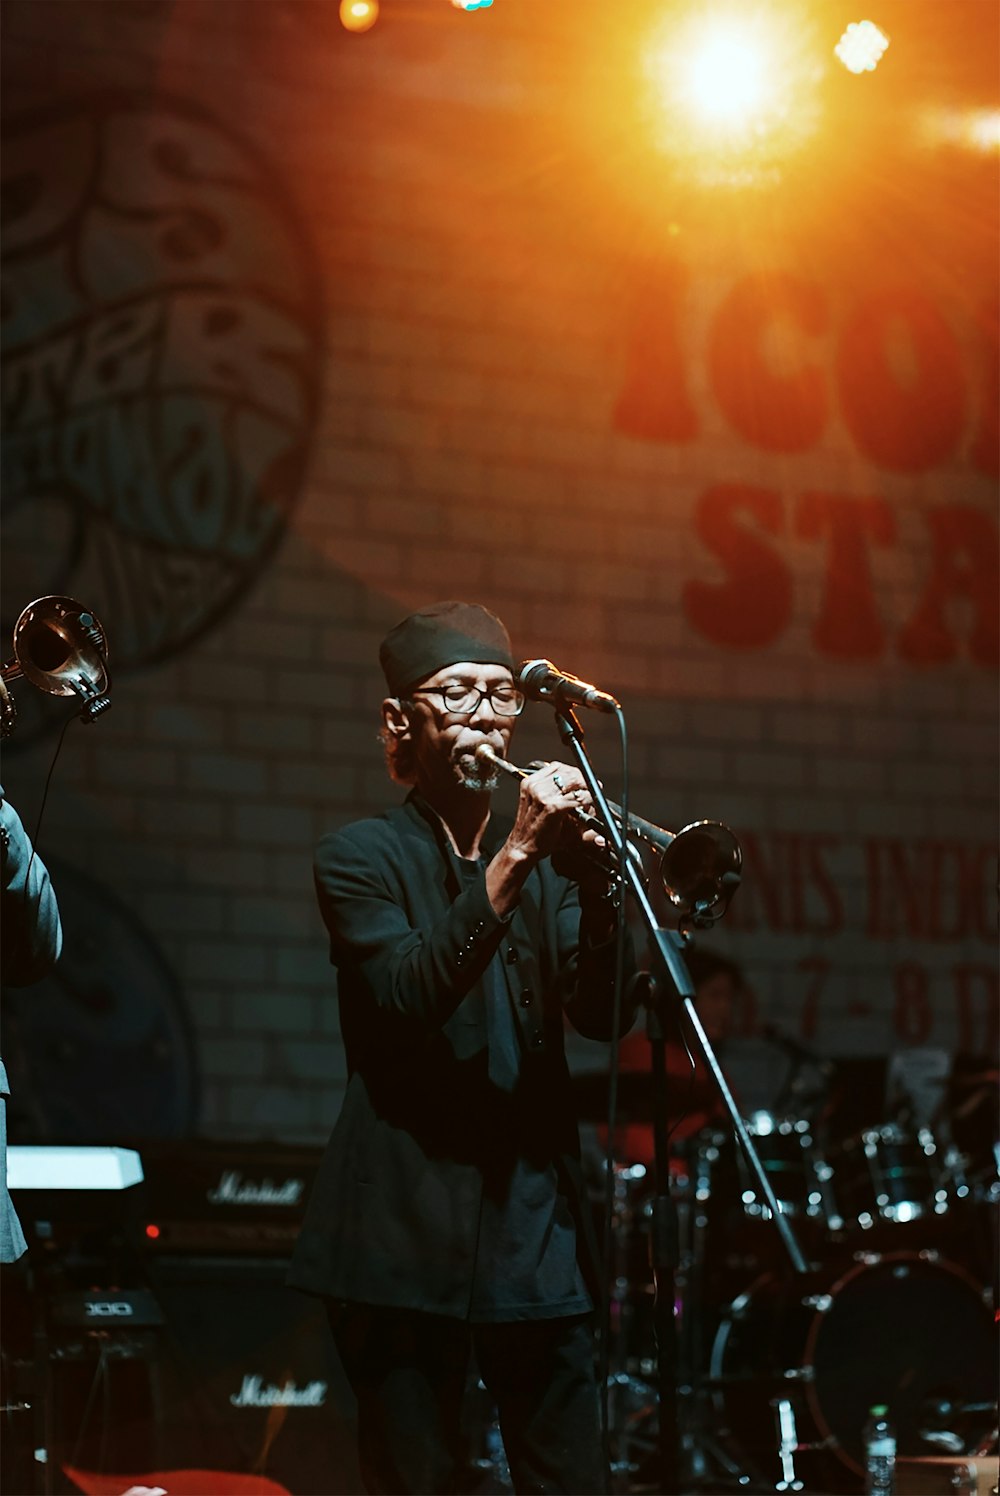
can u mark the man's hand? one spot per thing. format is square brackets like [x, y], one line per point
[552, 805]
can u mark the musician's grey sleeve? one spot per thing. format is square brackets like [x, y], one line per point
[31, 931]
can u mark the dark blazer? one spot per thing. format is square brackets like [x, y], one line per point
[394, 1211]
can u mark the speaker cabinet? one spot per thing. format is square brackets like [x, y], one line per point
[248, 1376]
[240, 1376]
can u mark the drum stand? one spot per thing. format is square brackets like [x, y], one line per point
[631, 1397]
[788, 1444]
[666, 948]
[701, 1460]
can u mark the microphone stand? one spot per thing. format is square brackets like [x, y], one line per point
[666, 951]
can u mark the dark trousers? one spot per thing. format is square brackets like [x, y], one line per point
[409, 1374]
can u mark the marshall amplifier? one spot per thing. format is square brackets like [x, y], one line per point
[248, 1379]
[238, 1375]
[224, 1197]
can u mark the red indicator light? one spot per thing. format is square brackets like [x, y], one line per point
[152, 1231]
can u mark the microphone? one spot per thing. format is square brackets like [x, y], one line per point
[541, 681]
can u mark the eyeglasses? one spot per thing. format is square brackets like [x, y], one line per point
[462, 700]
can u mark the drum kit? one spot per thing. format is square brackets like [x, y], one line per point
[777, 1372]
[890, 1225]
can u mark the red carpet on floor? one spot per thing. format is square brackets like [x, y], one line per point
[175, 1483]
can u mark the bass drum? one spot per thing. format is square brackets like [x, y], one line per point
[904, 1329]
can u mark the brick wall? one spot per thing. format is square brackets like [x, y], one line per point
[494, 338]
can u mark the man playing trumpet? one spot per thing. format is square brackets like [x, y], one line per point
[449, 1212]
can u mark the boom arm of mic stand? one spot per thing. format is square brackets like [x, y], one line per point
[666, 949]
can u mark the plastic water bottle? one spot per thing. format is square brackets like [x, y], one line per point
[880, 1452]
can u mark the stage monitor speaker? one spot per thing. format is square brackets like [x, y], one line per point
[242, 1376]
[250, 1374]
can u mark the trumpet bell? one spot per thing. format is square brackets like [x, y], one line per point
[60, 647]
[700, 870]
[699, 866]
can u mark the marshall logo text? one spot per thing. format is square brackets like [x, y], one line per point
[233, 1189]
[256, 1393]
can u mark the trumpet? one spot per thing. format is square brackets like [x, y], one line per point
[700, 865]
[60, 647]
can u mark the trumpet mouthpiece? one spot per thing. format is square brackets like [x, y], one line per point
[486, 756]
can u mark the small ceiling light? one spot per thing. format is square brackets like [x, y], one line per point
[976, 130]
[861, 46]
[358, 15]
[472, 4]
[983, 130]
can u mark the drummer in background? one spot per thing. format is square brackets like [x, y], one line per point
[726, 1008]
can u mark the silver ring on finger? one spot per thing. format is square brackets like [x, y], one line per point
[557, 782]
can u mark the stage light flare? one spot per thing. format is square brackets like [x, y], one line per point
[358, 15]
[733, 91]
[727, 75]
[472, 4]
[861, 47]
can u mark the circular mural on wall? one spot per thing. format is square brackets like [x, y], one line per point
[161, 322]
[101, 1049]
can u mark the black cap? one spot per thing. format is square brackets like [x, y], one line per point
[439, 635]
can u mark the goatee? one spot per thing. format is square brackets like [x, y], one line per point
[478, 778]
